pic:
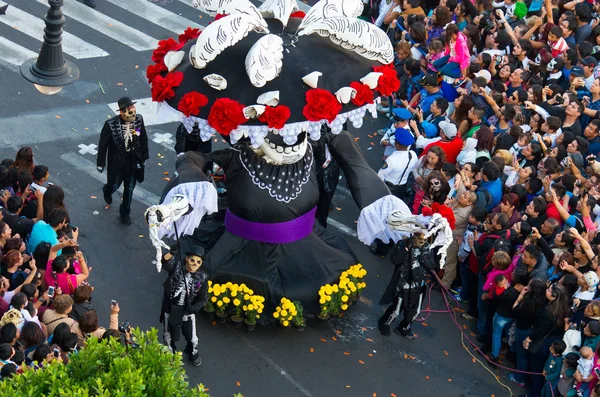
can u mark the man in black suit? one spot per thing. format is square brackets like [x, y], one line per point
[124, 138]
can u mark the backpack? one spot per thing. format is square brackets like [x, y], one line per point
[483, 264]
[489, 200]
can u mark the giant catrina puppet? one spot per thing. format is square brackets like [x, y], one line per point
[271, 81]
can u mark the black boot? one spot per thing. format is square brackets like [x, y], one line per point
[126, 219]
[383, 327]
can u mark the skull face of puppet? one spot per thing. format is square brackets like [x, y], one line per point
[435, 185]
[551, 65]
[193, 263]
[278, 152]
[129, 114]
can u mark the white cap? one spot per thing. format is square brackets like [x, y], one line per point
[485, 74]
[449, 129]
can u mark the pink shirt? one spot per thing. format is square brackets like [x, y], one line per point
[62, 280]
[489, 281]
[459, 52]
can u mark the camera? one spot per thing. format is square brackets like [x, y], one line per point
[125, 327]
[481, 228]
[559, 100]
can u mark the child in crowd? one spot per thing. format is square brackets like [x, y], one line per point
[586, 290]
[566, 380]
[497, 280]
[436, 51]
[584, 367]
[553, 368]
[556, 41]
[40, 177]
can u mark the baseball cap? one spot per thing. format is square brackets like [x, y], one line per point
[449, 129]
[402, 114]
[429, 80]
[404, 137]
[577, 71]
[589, 61]
[429, 129]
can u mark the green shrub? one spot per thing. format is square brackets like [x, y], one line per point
[109, 370]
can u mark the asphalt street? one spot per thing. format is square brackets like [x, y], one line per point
[347, 357]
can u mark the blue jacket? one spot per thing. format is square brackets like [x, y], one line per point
[495, 190]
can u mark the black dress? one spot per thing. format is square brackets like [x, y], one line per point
[265, 193]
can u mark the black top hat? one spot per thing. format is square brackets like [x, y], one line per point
[125, 102]
[192, 248]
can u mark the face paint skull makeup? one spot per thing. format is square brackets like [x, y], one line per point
[193, 263]
[551, 65]
[129, 114]
[436, 185]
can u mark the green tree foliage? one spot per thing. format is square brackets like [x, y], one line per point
[108, 369]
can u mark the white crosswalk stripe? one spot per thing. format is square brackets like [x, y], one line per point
[108, 26]
[34, 27]
[13, 55]
[156, 15]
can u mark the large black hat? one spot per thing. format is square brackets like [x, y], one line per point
[125, 102]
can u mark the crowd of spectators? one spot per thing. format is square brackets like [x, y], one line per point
[497, 117]
[46, 312]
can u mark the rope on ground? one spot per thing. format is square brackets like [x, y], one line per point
[452, 312]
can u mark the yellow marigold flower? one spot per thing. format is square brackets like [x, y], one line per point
[213, 299]
[219, 303]
[233, 294]
[286, 323]
[335, 288]
[284, 312]
[210, 290]
[259, 311]
[210, 283]
[245, 307]
[226, 299]
[216, 292]
[217, 289]
[353, 288]
[276, 315]
[250, 307]
[344, 307]
[236, 302]
[246, 296]
[344, 274]
[328, 298]
[344, 298]
[228, 284]
[258, 316]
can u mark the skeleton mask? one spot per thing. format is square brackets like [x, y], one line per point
[129, 114]
[551, 65]
[277, 152]
[436, 185]
[418, 239]
[193, 263]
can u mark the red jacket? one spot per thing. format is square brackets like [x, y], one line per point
[452, 149]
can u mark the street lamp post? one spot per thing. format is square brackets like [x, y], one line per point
[50, 72]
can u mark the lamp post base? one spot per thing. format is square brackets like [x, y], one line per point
[66, 75]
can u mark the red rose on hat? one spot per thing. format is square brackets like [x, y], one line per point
[298, 14]
[388, 82]
[226, 115]
[275, 117]
[189, 34]
[154, 70]
[162, 87]
[191, 103]
[363, 95]
[321, 104]
[165, 46]
[443, 210]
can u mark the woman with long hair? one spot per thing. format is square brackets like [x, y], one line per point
[440, 17]
[434, 160]
[24, 160]
[56, 273]
[529, 302]
[460, 116]
[548, 326]
[485, 143]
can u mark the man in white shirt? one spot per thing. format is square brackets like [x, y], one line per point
[399, 165]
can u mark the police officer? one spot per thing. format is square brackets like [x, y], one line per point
[398, 166]
[400, 118]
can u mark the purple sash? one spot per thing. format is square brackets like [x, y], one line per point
[273, 233]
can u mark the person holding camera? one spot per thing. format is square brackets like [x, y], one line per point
[123, 138]
[185, 293]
